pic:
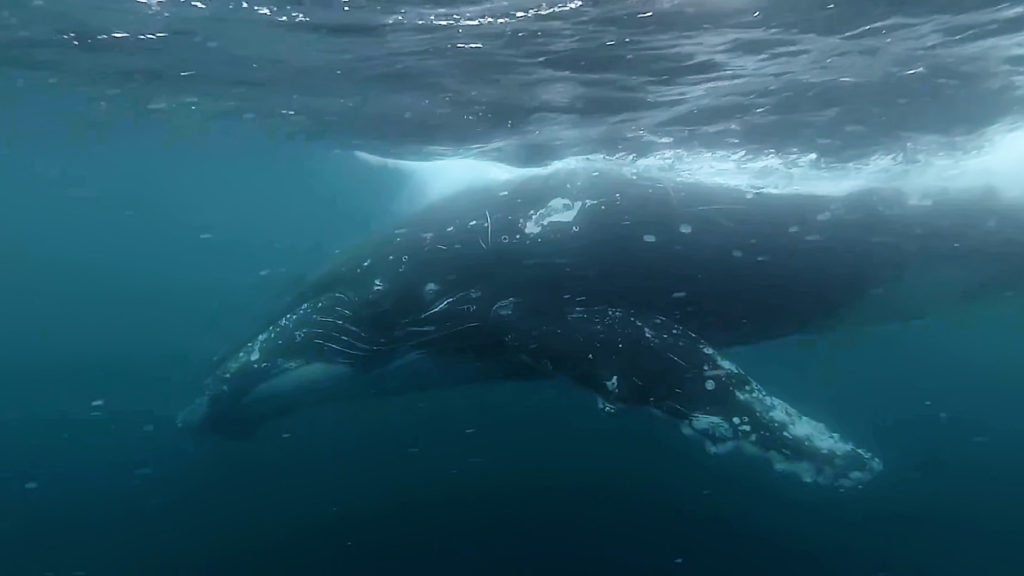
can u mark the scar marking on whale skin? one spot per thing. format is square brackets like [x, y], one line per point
[488, 213]
[504, 307]
[339, 348]
[441, 306]
[674, 357]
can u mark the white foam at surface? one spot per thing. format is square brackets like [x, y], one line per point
[992, 158]
[434, 179]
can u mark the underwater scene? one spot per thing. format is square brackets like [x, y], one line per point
[509, 287]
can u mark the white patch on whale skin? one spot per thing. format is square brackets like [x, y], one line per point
[711, 425]
[605, 406]
[800, 427]
[254, 353]
[557, 210]
[791, 442]
[811, 434]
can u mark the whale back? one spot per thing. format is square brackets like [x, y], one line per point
[735, 267]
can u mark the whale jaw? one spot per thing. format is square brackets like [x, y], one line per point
[235, 410]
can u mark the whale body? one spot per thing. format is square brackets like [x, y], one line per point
[630, 289]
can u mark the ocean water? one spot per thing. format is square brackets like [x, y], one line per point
[171, 171]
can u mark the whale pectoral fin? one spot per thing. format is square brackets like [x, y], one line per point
[646, 360]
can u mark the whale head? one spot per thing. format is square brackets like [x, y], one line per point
[305, 358]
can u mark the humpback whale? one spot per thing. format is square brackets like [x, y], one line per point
[628, 288]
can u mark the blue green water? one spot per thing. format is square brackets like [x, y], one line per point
[136, 245]
[113, 293]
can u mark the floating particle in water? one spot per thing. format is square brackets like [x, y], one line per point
[205, 236]
[649, 238]
[31, 485]
[265, 271]
[148, 428]
[685, 228]
[470, 430]
[286, 435]
[678, 560]
[144, 471]
[97, 403]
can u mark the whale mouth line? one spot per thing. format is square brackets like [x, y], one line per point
[235, 406]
